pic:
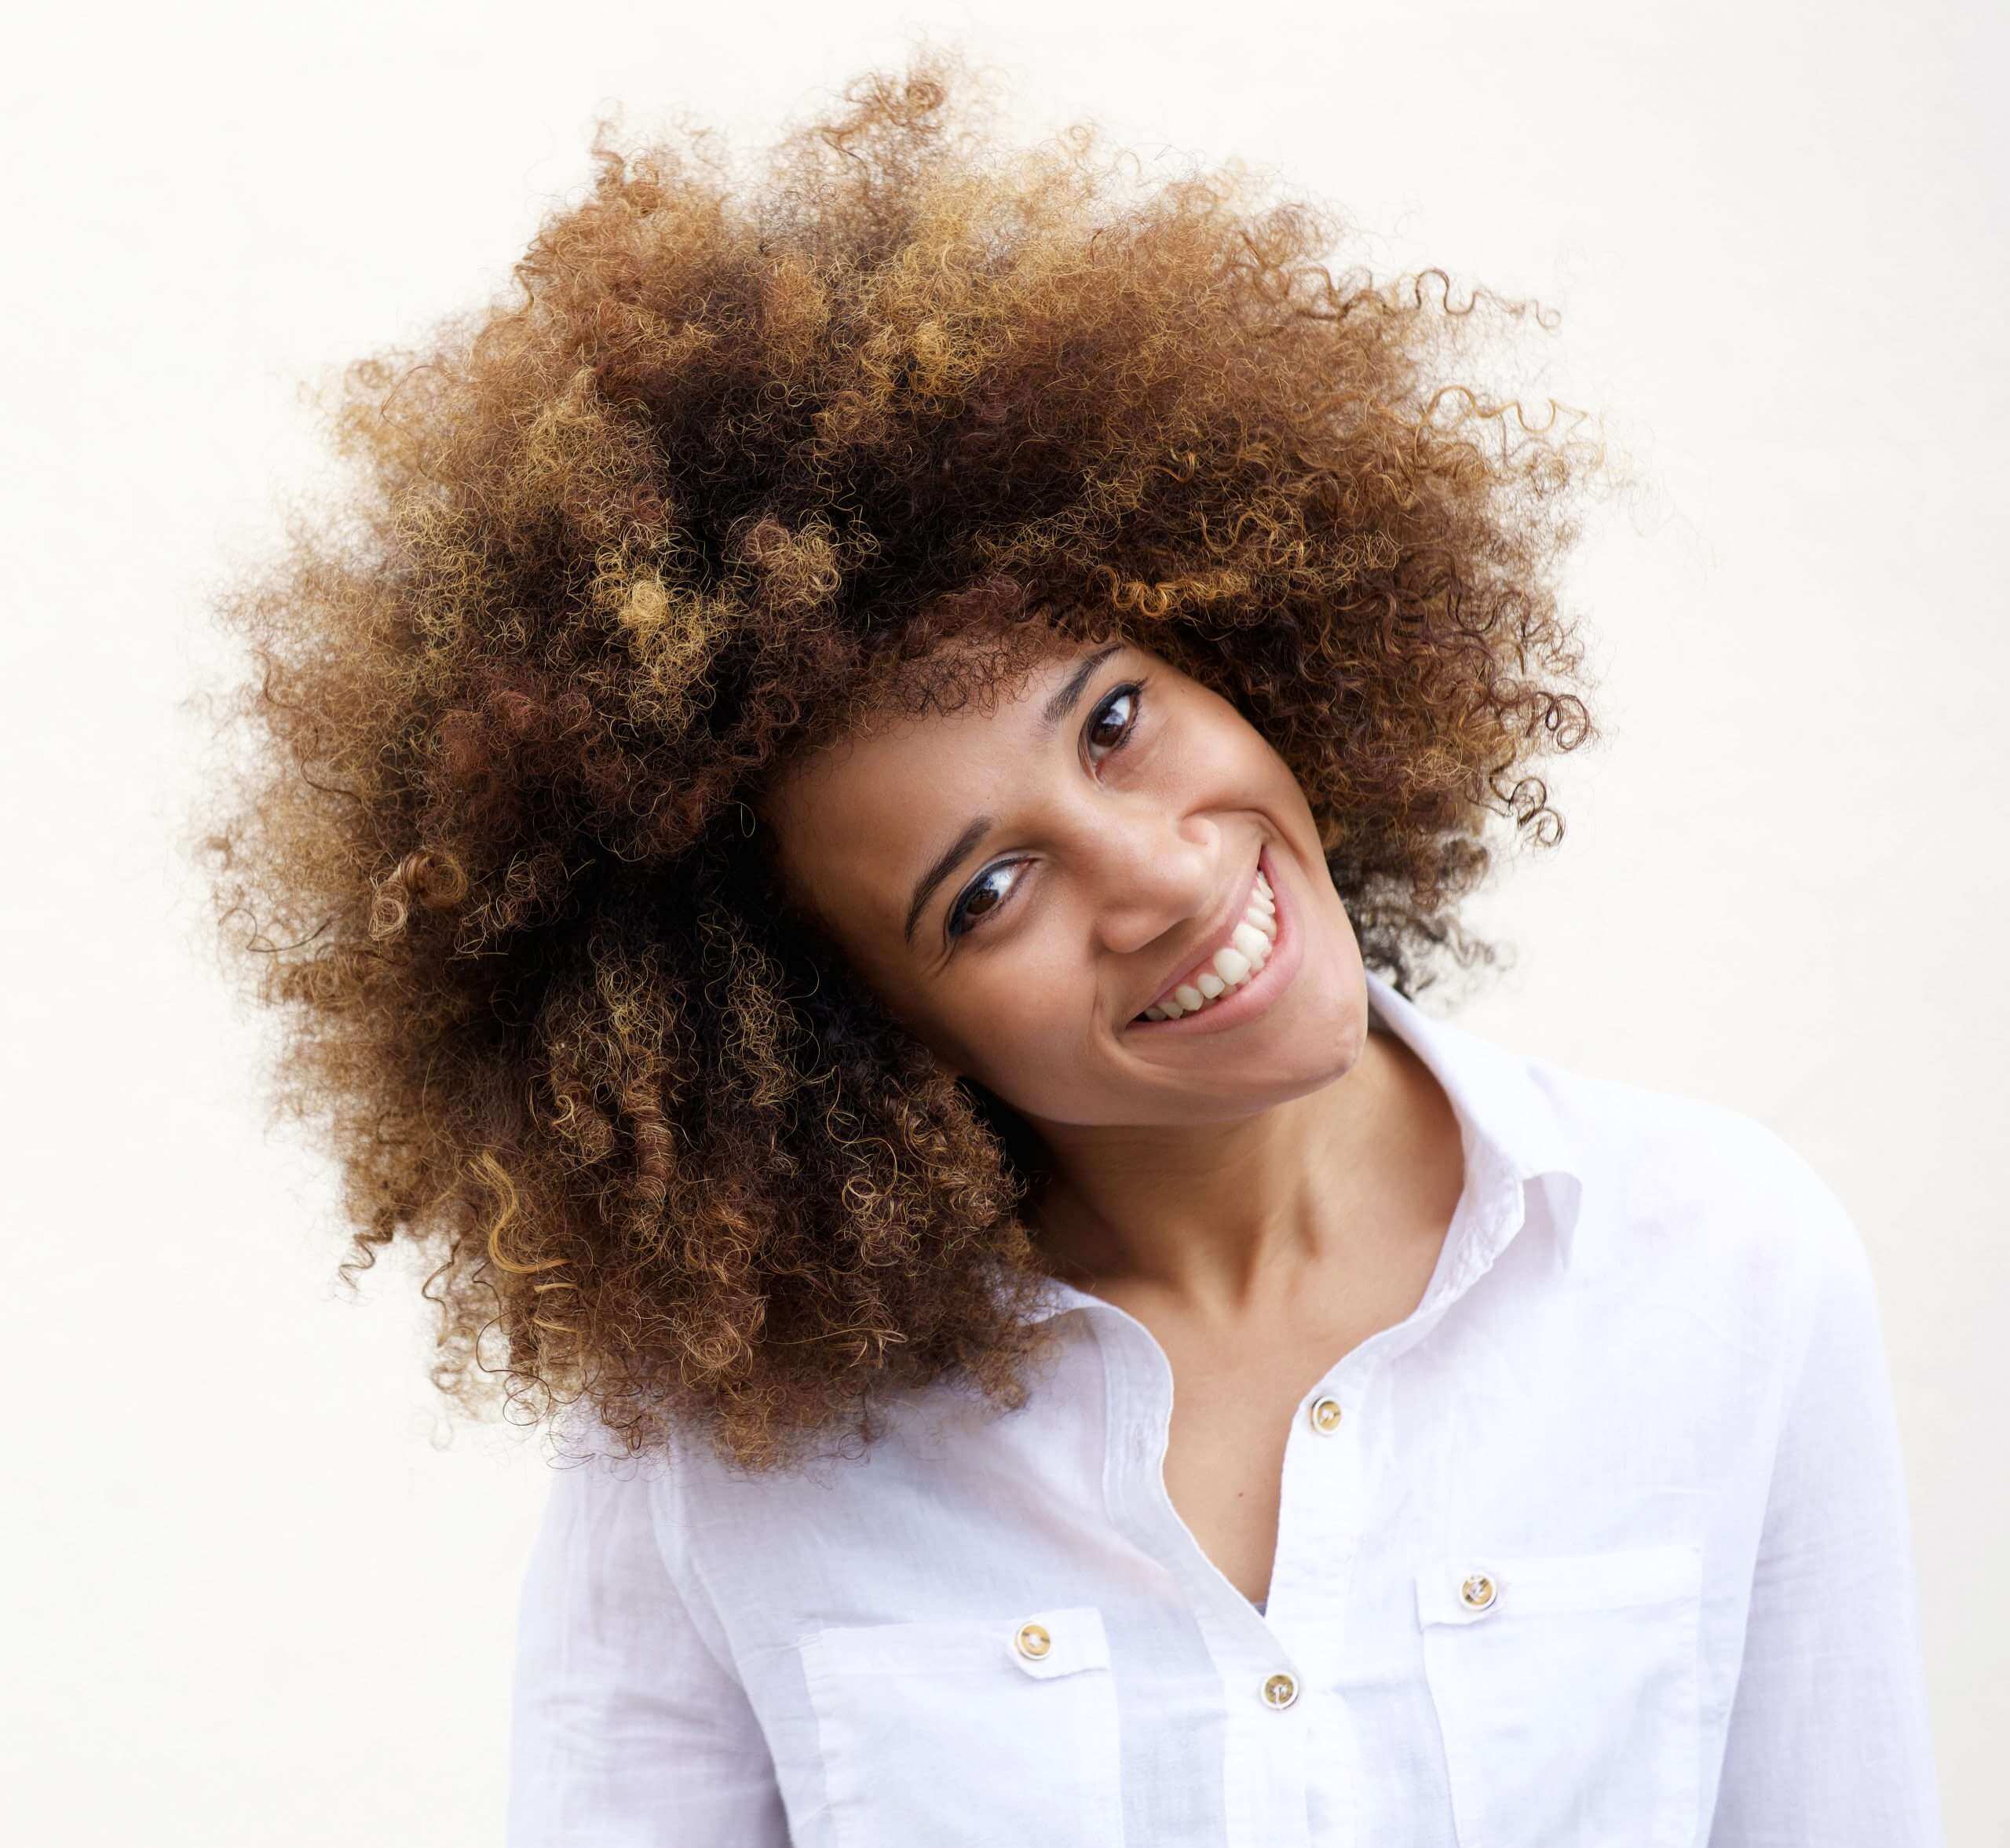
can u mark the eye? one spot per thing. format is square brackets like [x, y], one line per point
[975, 904]
[1125, 700]
[1109, 728]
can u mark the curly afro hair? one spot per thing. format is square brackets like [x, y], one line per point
[744, 455]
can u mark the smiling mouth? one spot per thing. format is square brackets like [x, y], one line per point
[1235, 963]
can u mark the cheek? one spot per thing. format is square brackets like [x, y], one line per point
[1224, 762]
[1023, 1031]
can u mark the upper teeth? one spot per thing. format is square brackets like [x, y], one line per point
[1246, 951]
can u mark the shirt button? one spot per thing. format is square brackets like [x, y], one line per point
[1326, 1414]
[1477, 1592]
[1032, 1642]
[1279, 1691]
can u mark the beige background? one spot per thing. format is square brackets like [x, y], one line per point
[256, 1591]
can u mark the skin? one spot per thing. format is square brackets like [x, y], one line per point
[1263, 1197]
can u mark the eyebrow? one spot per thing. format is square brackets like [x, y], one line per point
[1060, 703]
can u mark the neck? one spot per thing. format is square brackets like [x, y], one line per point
[1221, 1217]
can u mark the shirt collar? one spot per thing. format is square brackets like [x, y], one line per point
[1513, 1137]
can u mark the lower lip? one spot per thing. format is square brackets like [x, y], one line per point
[1255, 994]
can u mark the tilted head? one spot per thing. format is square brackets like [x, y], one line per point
[1102, 895]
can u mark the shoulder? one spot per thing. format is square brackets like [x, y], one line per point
[1686, 1178]
[595, 1484]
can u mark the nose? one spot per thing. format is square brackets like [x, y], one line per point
[1146, 875]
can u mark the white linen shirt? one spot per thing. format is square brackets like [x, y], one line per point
[1605, 1545]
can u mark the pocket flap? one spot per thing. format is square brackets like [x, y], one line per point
[1073, 1636]
[1555, 1582]
[1059, 1640]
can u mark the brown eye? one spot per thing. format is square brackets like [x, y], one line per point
[980, 897]
[1119, 710]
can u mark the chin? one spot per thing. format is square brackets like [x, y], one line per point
[1329, 1021]
[1321, 1040]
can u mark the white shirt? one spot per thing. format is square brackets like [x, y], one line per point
[1604, 1546]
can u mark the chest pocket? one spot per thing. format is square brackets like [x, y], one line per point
[987, 1732]
[1567, 1691]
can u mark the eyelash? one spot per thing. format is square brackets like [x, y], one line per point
[1135, 688]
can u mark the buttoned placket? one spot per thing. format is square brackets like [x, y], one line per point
[1277, 1665]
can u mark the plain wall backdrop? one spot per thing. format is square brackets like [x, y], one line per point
[258, 1589]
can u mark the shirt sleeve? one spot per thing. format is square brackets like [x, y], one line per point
[627, 1729]
[1828, 1740]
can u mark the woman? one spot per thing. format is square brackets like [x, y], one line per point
[853, 850]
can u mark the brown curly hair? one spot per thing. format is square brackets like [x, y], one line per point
[745, 453]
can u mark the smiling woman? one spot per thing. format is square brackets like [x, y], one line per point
[845, 832]
[1155, 862]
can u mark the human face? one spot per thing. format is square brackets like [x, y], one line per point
[1017, 886]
